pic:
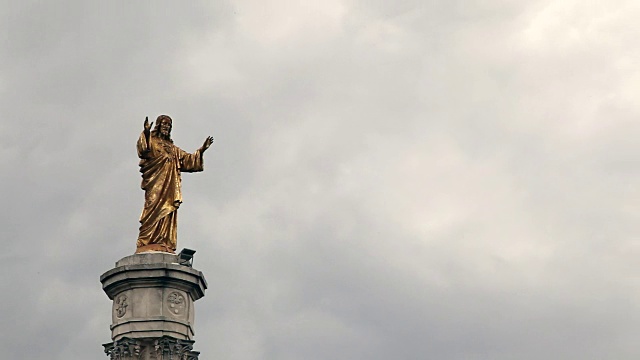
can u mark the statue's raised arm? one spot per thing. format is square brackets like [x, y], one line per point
[143, 142]
[147, 127]
[161, 163]
[207, 142]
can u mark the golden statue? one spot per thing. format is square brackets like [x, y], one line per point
[161, 163]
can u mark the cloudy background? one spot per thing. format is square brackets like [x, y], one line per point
[389, 179]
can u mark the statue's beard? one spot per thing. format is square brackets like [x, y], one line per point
[164, 134]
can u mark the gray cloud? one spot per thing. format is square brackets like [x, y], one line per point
[401, 180]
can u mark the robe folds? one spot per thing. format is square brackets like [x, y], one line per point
[161, 163]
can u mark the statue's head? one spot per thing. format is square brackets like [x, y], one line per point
[163, 127]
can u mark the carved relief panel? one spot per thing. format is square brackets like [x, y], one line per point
[177, 304]
[121, 306]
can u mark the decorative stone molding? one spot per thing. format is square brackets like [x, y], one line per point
[124, 349]
[164, 348]
[193, 355]
[168, 348]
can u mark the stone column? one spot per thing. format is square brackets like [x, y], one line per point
[153, 307]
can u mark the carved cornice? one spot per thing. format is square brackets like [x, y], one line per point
[124, 349]
[164, 348]
[168, 348]
[180, 277]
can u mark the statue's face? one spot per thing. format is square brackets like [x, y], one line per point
[165, 127]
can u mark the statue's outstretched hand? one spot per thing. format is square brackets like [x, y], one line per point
[208, 141]
[147, 126]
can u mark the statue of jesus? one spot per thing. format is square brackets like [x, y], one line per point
[161, 163]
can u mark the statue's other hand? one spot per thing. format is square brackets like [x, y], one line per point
[207, 142]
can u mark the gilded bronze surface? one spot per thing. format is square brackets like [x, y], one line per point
[161, 163]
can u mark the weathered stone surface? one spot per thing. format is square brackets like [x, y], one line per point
[153, 296]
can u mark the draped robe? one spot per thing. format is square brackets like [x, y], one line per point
[161, 163]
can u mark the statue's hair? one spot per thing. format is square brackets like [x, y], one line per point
[163, 117]
[156, 129]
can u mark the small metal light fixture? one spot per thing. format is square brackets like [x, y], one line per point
[185, 257]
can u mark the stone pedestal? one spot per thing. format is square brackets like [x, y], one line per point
[153, 307]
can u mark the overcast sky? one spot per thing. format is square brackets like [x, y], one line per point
[420, 179]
